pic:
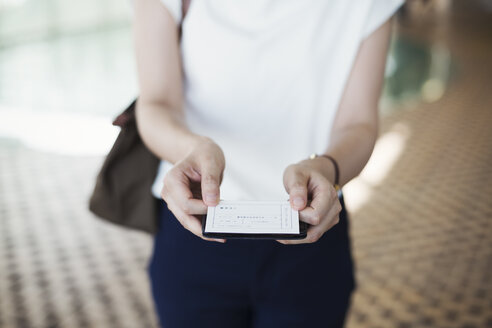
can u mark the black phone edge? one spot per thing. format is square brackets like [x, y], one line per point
[232, 235]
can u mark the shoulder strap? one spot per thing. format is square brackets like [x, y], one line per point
[185, 4]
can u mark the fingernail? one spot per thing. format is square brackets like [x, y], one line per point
[298, 202]
[210, 198]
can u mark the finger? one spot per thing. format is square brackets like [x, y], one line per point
[314, 233]
[295, 183]
[311, 237]
[297, 241]
[293, 241]
[332, 218]
[192, 206]
[176, 185]
[193, 224]
[288, 242]
[211, 173]
[188, 206]
[177, 190]
[324, 196]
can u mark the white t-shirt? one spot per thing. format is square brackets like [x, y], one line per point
[264, 78]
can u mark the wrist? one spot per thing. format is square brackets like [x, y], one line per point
[319, 165]
[196, 142]
[328, 167]
[205, 146]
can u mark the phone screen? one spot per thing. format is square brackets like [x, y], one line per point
[248, 219]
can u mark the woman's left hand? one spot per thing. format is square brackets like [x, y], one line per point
[313, 195]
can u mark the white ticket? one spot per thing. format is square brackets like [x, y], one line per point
[252, 217]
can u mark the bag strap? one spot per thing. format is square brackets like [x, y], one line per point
[185, 4]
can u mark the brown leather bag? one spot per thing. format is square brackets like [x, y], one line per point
[122, 194]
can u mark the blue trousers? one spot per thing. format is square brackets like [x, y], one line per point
[250, 283]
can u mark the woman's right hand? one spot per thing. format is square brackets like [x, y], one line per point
[193, 184]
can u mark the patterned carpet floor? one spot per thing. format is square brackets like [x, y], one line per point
[422, 231]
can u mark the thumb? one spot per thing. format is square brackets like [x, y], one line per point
[211, 175]
[295, 183]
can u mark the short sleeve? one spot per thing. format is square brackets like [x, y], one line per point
[379, 12]
[174, 8]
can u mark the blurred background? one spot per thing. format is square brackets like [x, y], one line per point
[421, 210]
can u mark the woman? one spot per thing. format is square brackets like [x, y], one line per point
[259, 85]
